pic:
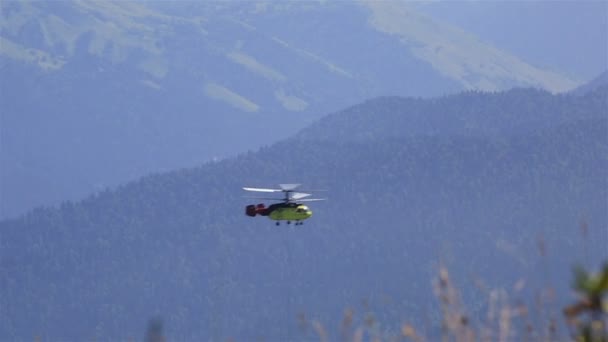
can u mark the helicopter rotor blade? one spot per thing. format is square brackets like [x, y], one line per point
[262, 190]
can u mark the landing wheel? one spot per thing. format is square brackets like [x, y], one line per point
[288, 222]
[278, 223]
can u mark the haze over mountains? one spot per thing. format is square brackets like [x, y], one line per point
[474, 180]
[546, 34]
[97, 93]
[465, 135]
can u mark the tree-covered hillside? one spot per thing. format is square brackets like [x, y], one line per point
[476, 181]
[504, 114]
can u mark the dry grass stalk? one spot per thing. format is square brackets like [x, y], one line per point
[320, 330]
[455, 324]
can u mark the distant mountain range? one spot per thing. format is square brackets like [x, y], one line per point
[553, 35]
[493, 185]
[98, 93]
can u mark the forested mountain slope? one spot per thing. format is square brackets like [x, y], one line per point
[178, 245]
[504, 114]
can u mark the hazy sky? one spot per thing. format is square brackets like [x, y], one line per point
[572, 36]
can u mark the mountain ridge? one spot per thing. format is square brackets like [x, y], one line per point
[62, 34]
[597, 82]
[416, 116]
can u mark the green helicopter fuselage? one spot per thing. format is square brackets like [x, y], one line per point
[281, 211]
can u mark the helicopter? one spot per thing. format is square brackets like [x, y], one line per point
[289, 208]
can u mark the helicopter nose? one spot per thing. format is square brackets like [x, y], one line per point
[308, 213]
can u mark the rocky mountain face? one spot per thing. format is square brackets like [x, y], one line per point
[97, 93]
[498, 196]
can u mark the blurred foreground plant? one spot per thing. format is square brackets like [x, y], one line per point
[589, 315]
[506, 320]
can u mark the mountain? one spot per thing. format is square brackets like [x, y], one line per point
[597, 82]
[551, 35]
[94, 94]
[497, 195]
[467, 114]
